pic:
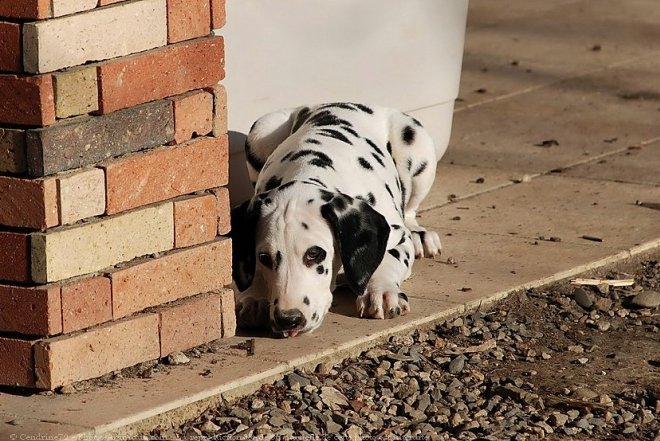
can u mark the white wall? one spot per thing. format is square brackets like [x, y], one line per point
[285, 53]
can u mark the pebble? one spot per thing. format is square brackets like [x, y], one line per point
[333, 398]
[647, 299]
[583, 297]
[457, 364]
[67, 389]
[178, 358]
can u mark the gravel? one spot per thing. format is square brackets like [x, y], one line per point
[541, 364]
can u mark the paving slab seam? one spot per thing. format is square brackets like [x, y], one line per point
[251, 383]
[530, 89]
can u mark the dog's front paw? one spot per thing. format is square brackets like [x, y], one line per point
[252, 313]
[381, 304]
[426, 243]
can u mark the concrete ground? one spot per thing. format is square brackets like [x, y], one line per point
[555, 135]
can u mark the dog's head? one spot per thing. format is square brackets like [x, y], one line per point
[295, 238]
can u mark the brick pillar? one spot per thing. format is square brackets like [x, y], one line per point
[113, 166]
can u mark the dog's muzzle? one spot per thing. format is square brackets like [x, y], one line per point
[288, 322]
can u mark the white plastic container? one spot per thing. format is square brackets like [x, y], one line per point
[285, 53]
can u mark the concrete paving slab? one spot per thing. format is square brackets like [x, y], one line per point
[564, 207]
[489, 266]
[587, 116]
[15, 427]
[639, 165]
[453, 181]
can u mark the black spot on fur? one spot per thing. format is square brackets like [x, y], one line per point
[364, 163]
[285, 186]
[306, 300]
[378, 160]
[395, 227]
[268, 201]
[286, 157]
[389, 190]
[318, 181]
[389, 147]
[409, 164]
[327, 118]
[420, 168]
[302, 116]
[312, 141]
[305, 226]
[326, 195]
[417, 123]
[345, 106]
[408, 135]
[278, 260]
[351, 131]
[395, 253]
[272, 183]
[319, 159]
[403, 198]
[364, 108]
[315, 316]
[403, 239]
[326, 271]
[371, 199]
[252, 159]
[407, 255]
[406, 262]
[310, 201]
[403, 296]
[332, 133]
[320, 269]
[374, 146]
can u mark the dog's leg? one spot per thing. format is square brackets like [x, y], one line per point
[267, 133]
[414, 154]
[252, 306]
[383, 297]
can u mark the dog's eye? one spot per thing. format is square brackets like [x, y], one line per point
[266, 260]
[314, 255]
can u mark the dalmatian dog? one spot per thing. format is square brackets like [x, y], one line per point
[337, 187]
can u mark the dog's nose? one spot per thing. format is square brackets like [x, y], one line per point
[289, 319]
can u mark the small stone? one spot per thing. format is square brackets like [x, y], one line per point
[604, 325]
[558, 419]
[583, 360]
[603, 304]
[178, 358]
[606, 400]
[209, 427]
[323, 368]
[354, 433]
[332, 427]
[584, 394]
[333, 398]
[628, 430]
[257, 404]
[647, 299]
[455, 420]
[582, 424]
[578, 349]
[572, 414]
[583, 297]
[296, 381]
[67, 389]
[15, 422]
[457, 364]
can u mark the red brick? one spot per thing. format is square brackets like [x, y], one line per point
[16, 362]
[171, 277]
[222, 210]
[187, 19]
[99, 350]
[31, 310]
[190, 323]
[195, 220]
[85, 303]
[160, 73]
[228, 313]
[143, 178]
[28, 203]
[13, 152]
[218, 14]
[10, 47]
[27, 100]
[14, 256]
[193, 115]
[25, 9]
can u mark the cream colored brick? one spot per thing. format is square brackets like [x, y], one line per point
[99, 34]
[82, 195]
[219, 110]
[66, 7]
[66, 252]
[76, 92]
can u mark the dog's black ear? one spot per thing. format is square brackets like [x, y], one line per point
[243, 232]
[361, 234]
